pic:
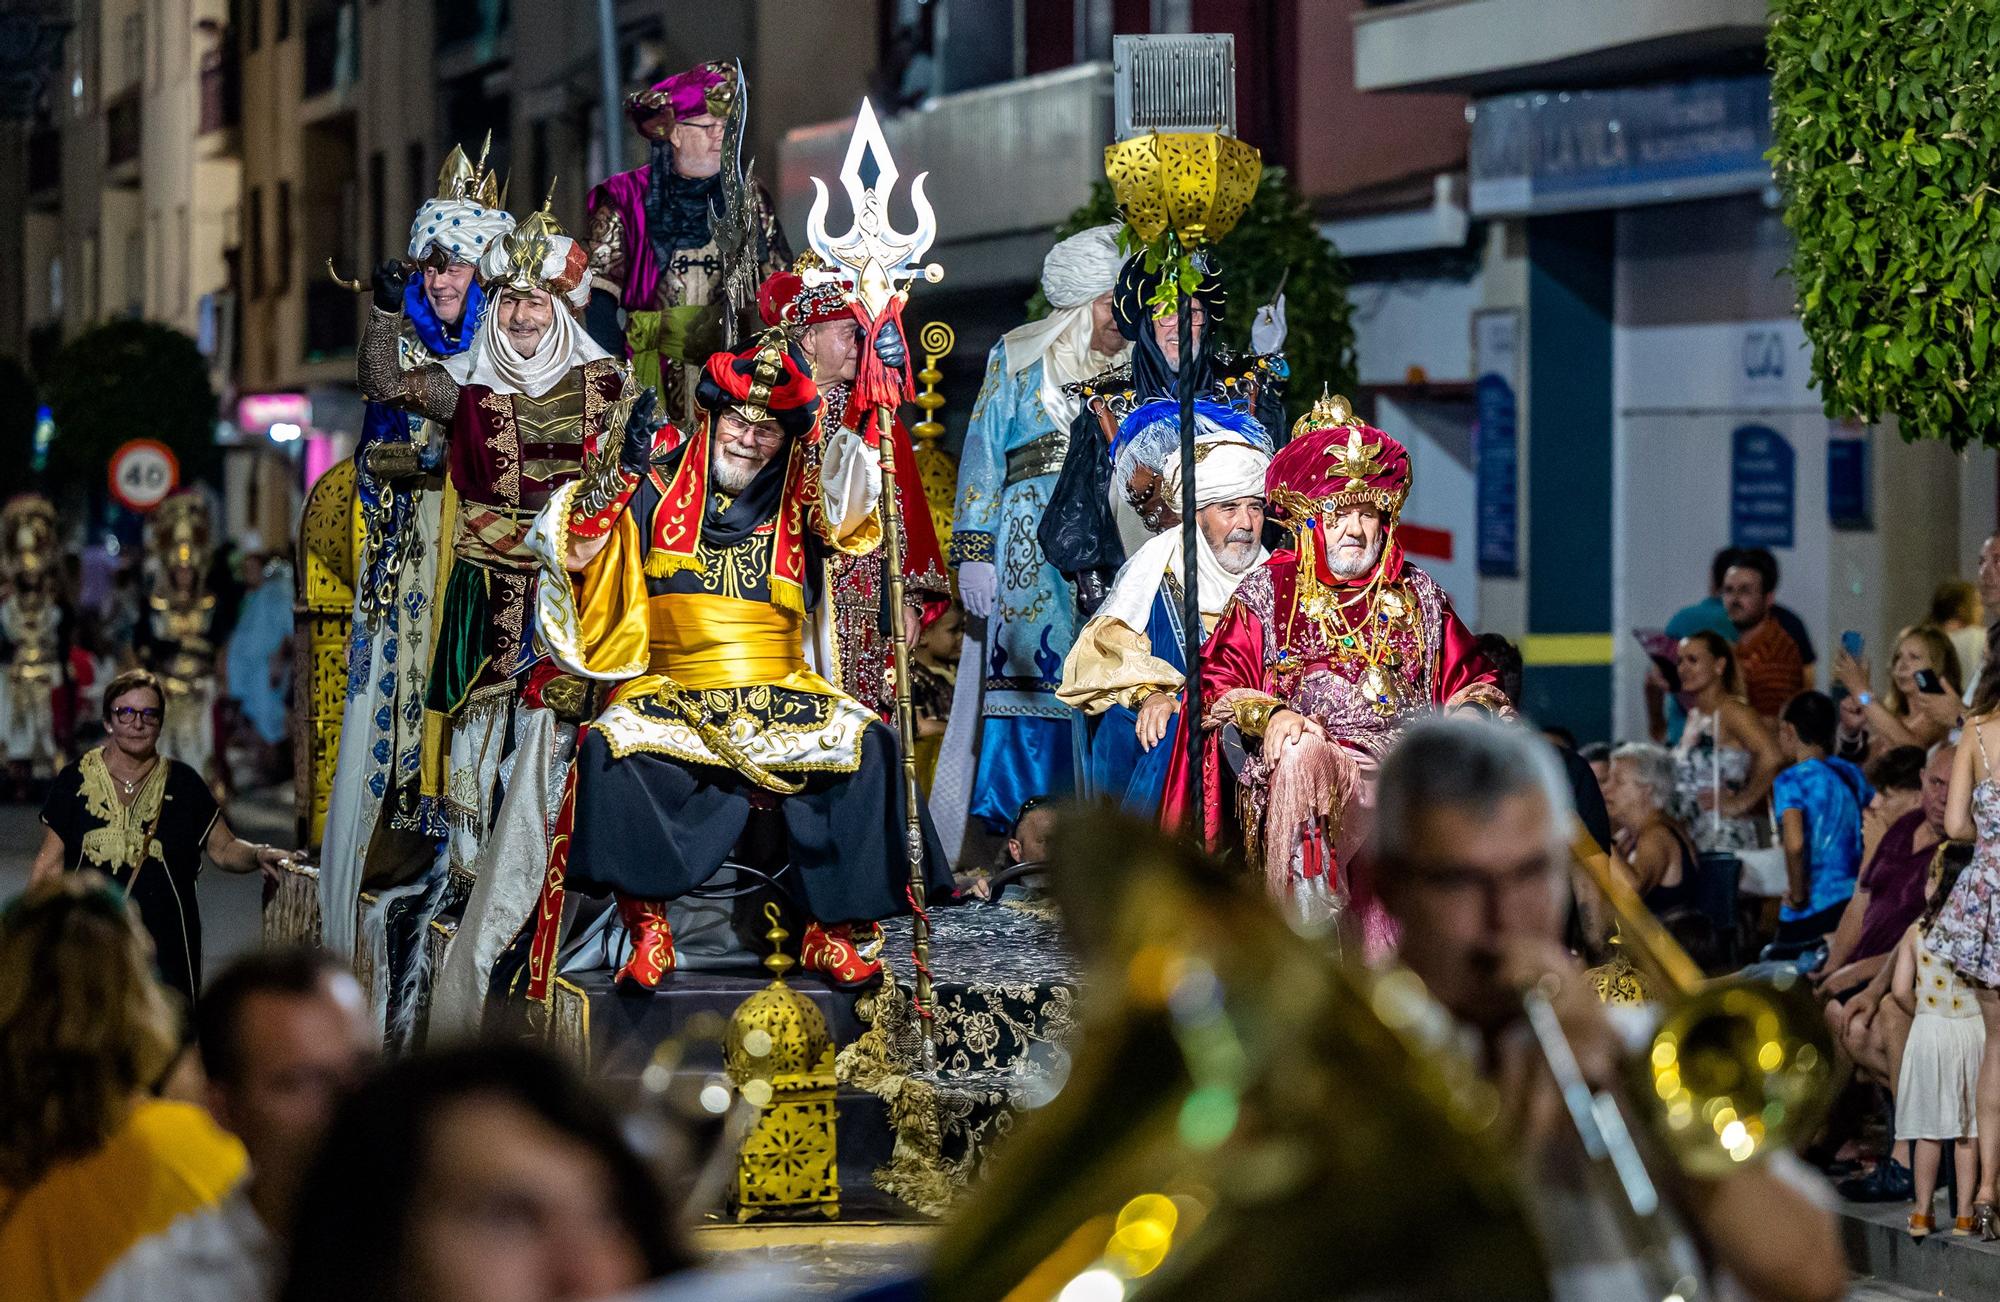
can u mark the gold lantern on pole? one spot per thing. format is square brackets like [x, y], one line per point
[779, 1055]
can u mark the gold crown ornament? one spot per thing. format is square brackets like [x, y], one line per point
[470, 182]
[525, 250]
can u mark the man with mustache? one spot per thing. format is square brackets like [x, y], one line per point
[527, 404]
[692, 599]
[656, 246]
[1325, 655]
[1127, 663]
[384, 820]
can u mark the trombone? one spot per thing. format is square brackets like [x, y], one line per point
[1738, 1067]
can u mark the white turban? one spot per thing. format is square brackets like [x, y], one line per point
[1155, 440]
[564, 273]
[1076, 273]
[1223, 471]
[462, 228]
[492, 360]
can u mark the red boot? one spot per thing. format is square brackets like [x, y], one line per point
[652, 944]
[834, 953]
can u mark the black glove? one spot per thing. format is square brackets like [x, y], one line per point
[637, 450]
[390, 280]
[889, 346]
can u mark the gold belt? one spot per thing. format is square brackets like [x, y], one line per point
[1044, 456]
[703, 641]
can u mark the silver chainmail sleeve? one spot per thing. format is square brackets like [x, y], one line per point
[425, 389]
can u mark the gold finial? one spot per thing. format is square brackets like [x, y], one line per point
[1330, 411]
[777, 962]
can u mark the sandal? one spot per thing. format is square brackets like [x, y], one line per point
[1963, 1226]
[1921, 1224]
[1986, 1219]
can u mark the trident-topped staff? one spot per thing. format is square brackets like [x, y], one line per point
[874, 264]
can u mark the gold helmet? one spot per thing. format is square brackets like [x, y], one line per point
[537, 254]
[179, 533]
[467, 181]
[28, 524]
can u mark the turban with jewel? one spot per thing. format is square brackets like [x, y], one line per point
[764, 382]
[784, 299]
[704, 88]
[1335, 466]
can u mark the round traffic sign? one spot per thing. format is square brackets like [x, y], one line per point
[143, 472]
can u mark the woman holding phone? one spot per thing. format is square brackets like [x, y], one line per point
[1920, 705]
[1726, 756]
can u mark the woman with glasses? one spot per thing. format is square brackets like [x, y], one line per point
[143, 820]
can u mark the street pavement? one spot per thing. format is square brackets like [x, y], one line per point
[231, 904]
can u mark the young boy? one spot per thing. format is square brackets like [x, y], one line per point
[1817, 801]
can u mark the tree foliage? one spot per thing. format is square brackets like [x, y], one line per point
[1276, 236]
[1886, 134]
[126, 380]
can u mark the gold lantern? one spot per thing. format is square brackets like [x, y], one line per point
[935, 467]
[779, 1055]
[1196, 184]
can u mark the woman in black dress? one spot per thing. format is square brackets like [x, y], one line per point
[144, 820]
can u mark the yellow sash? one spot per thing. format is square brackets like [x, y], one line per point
[702, 641]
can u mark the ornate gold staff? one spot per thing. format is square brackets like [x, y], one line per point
[874, 263]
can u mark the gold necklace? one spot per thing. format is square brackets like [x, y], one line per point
[1368, 642]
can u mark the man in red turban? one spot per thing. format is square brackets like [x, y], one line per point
[851, 639]
[683, 588]
[1322, 659]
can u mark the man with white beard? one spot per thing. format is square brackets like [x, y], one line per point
[1127, 663]
[693, 598]
[1325, 655]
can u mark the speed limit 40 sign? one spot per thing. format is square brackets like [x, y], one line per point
[143, 472]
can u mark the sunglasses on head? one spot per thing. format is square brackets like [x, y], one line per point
[139, 714]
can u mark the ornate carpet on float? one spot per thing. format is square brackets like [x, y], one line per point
[909, 1139]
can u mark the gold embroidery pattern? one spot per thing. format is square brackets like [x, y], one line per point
[741, 571]
[505, 442]
[121, 842]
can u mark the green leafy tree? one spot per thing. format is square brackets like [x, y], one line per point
[1276, 239]
[1886, 143]
[125, 380]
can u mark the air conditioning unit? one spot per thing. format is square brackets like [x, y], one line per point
[1173, 83]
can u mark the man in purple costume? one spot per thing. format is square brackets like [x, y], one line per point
[684, 240]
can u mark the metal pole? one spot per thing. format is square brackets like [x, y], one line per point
[906, 729]
[1184, 378]
[608, 82]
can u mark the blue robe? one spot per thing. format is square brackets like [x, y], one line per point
[1029, 740]
[1118, 768]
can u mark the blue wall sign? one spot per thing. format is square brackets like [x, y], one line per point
[1763, 487]
[1495, 485]
[1564, 151]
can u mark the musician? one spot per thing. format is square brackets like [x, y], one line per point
[1472, 824]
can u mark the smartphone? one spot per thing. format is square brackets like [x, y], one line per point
[1850, 641]
[1927, 682]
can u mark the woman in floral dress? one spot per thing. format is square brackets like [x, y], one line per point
[1967, 931]
[1726, 757]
